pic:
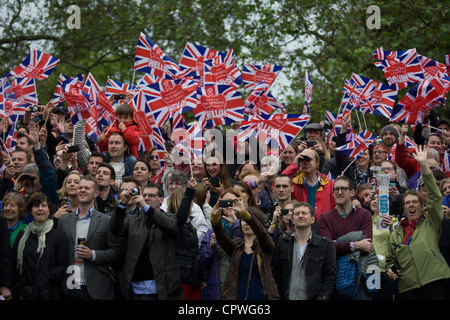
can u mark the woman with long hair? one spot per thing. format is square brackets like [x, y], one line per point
[40, 254]
[14, 210]
[216, 177]
[249, 275]
[68, 194]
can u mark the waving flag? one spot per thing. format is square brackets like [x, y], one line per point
[58, 96]
[189, 140]
[277, 130]
[421, 98]
[356, 147]
[308, 92]
[375, 97]
[152, 60]
[99, 101]
[117, 87]
[253, 74]
[7, 89]
[351, 95]
[147, 80]
[218, 105]
[401, 68]
[10, 142]
[77, 101]
[261, 101]
[222, 70]
[11, 110]
[38, 65]
[432, 68]
[24, 90]
[169, 96]
[192, 60]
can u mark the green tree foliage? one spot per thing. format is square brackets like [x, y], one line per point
[328, 38]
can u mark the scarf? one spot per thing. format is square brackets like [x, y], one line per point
[40, 232]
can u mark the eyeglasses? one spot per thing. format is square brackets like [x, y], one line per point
[386, 169]
[343, 189]
[151, 157]
[150, 195]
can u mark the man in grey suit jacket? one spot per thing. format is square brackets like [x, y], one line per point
[92, 248]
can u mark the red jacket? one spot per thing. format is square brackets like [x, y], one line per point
[131, 134]
[324, 196]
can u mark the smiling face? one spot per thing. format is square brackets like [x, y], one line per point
[11, 211]
[86, 192]
[72, 184]
[212, 166]
[141, 172]
[288, 155]
[389, 138]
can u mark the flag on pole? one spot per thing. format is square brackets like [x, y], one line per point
[308, 92]
[11, 139]
[356, 147]
[189, 140]
[7, 89]
[253, 74]
[106, 114]
[192, 60]
[261, 101]
[401, 68]
[222, 70]
[38, 65]
[117, 87]
[77, 101]
[24, 90]
[218, 105]
[277, 130]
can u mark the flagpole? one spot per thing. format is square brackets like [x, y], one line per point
[270, 169]
[106, 133]
[348, 167]
[359, 121]
[132, 80]
[364, 118]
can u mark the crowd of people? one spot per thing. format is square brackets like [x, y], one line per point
[85, 220]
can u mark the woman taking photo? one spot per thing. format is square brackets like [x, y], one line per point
[216, 177]
[249, 275]
[14, 210]
[40, 254]
[68, 194]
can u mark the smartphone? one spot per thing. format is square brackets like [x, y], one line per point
[225, 203]
[120, 96]
[72, 149]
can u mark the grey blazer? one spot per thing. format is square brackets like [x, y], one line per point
[107, 251]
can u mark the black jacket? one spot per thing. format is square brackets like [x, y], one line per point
[320, 267]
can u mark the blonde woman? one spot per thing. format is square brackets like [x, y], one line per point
[68, 194]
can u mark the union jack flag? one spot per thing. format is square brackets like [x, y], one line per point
[58, 96]
[356, 147]
[38, 65]
[117, 87]
[152, 60]
[218, 105]
[192, 60]
[253, 74]
[425, 96]
[10, 142]
[188, 140]
[222, 70]
[261, 101]
[401, 68]
[277, 130]
[151, 135]
[433, 68]
[10, 109]
[24, 90]
[99, 101]
[375, 97]
[446, 165]
[308, 92]
[7, 89]
[169, 96]
[77, 101]
[147, 80]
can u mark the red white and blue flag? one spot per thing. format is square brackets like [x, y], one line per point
[218, 105]
[24, 90]
[351, 95]
[253, 74]
[401, 68]
[7, 89]
[11, 110]
[308, 92]
[77, 101]
[356, 147]
[58, 95]
[277, 130]
[192, 61]
[222, 70]
[117, 87]
[99, 101]
[375, 97]
[151, 59]
[169, 96]
[433, 69]
[38, 65]
[189, 140]
[147, 80]
[421, 98]
[447, 63]
[261, 101]
[10, 142]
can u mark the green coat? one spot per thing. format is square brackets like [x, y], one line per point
[420, 262]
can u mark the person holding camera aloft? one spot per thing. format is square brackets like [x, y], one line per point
[216, 177]
[310, 185]
[249, 274]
